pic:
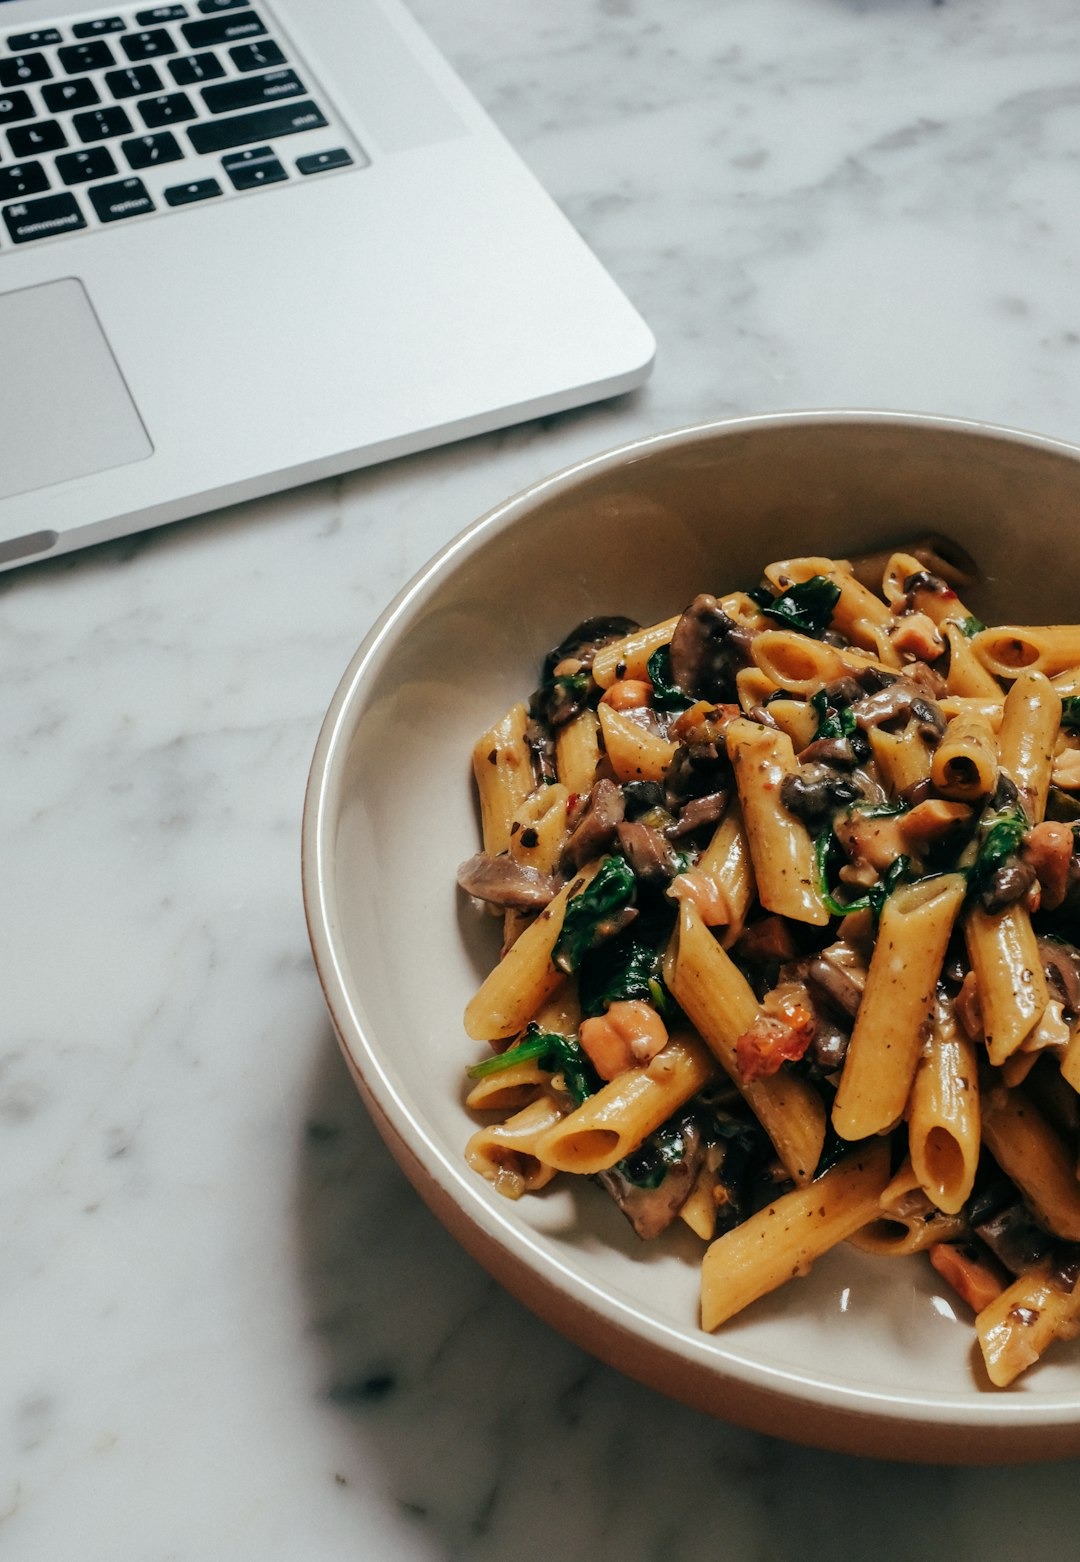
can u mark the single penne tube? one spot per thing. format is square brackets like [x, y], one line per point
[753, 687]
[610, 1124]
[634, 752]
[937, 604]
[1018, 1326]
[526, 977]
[505, 1153]
[902, 758]
[967, 677]
[954, 705]
[1010, 649]
[797, 718]
[720, 1004]
[943, 1114]
[508, 1089]
[538, 834]
[538, 830]
[502, 767]
[577, 751]
[781, 849]
[1029, 1151]
[1008, 975]
[783, 1240]
[726, 861]
[629, 657]
[1029, 727]
[897, 1002]
[801, 665]
[965, 763]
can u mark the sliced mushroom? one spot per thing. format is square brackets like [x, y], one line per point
[596, 825]
[652, 858]
[583, 642]
[1061, 966]
[502, 881]
[651, 1210]
[812, 792]
[1007, 884]
[702, 649]
[1014, 1238]
[840, 973]
[699, 812]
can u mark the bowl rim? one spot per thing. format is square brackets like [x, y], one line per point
[486, 1230]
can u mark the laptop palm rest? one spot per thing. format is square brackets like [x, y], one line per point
[65, 410]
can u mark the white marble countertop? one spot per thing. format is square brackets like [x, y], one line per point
[230, 1329]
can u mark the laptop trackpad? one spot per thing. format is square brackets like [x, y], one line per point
[64, 408]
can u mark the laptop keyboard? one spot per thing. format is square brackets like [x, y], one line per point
[111, 118]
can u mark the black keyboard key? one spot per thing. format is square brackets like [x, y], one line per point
[286, 119]
[256, 166]
[44, 135]
[222, 29]
[319, 162]
[147, 46]
[170, 108]
[98, 124]
[250, 91]
[22, 68]
[80, 57]
[191, 68]
[20, 179]
[160, 13]
[148, 151]
[125, 198]
[131, 82]
[96, 162]
[15, 106]
[210, 7]
[256, 56]
[61, 95]
[36, 40]
[99, 25]
[197, 190]
[43, 218]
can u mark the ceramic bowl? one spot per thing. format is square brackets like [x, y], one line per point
[868, 1355]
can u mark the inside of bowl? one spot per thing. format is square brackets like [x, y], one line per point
[641, 537]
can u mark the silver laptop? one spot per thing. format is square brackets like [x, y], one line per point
[243, 245]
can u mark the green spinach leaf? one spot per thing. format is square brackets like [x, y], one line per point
[806, 607]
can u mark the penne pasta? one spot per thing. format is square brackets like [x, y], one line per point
[1028, 1316]
[943, 1114]
[615, 1121]
[965, 763]
[780, 846]
[1012, 649]
[1008, 974]
[824, 930]
[505, 1154]
[1029, 725]
[1029, 1151]
[502, 768]
[784, 1239]
[895, 1011]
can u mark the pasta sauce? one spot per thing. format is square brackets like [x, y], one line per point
[790, 893]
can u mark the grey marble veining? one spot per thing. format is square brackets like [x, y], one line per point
[229, 1328]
